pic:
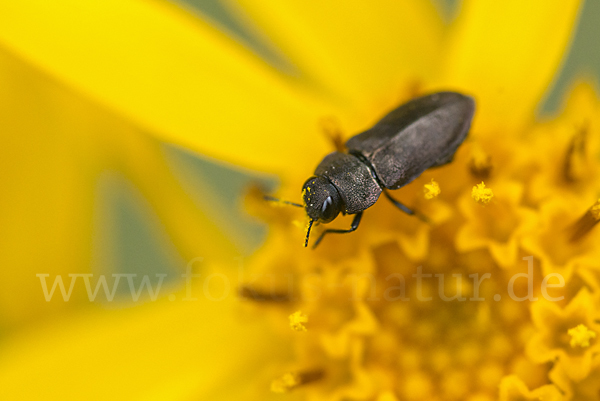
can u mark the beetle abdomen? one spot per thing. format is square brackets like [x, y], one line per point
[420, 134]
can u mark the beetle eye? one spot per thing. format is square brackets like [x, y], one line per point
[326, 210]
[326, 204]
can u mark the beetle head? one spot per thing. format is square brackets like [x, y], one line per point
[321, 199]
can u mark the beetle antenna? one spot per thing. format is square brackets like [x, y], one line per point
[310, 223]
[272, 199]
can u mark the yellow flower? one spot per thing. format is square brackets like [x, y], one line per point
[400, 309]
[581, 336]
[62, 155]
[559, 241]
[481, 194]
[297, 321]
[570, 166]
[555, 337]
[432, 189]
[513, 389]
[499, 226]
[582, 390]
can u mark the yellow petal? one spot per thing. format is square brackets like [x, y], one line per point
[46, 202]
[163, 350]
[171, 73]
[364, 52]
[192, 229]
[54, 147]
[506, 53]
[513, 388]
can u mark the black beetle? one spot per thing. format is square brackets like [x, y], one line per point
[420, 134]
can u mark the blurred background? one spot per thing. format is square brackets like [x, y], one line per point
[71, 202]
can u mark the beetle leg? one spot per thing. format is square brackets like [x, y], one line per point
[405, 209]
[331, 129]
[353, 227]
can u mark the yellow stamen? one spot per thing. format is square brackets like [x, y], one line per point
[481, 194]
[292, 380]
[480, 164]
[581, 336]
[257, 295]
[331, 128]
[296, 321]
[575, 160]
[432, 189]
[585, 224]
[595, 210]
[285, 383]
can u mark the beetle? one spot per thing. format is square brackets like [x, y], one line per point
[416, 136]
